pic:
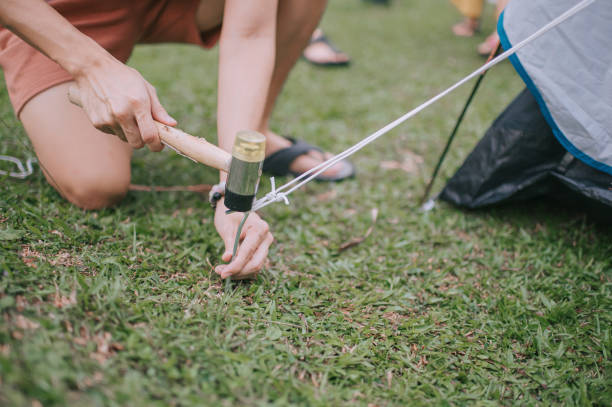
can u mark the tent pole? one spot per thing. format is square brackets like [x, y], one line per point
[456, 128]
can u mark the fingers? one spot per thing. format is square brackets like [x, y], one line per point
[251, 253]
[257, 261]
[148, 131]
[129, 127]
[157, 110]
[134, 117]
[102, 119]
[119, 119]
[128, 107]
[144, 111]
[228, 239]
[245, 252]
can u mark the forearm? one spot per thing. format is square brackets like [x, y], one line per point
[45, 29]
[246, 64]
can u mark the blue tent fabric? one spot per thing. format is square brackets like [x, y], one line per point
[554, 140]
[568, 71]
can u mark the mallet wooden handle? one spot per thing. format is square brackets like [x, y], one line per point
[195, 148]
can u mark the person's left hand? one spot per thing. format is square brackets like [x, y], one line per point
[255, 241]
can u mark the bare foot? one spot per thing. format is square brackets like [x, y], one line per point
[466, 28]
[489, 45]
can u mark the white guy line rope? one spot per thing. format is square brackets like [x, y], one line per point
[24, 171]
[278, 195]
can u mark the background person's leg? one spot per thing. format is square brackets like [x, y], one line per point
[89, 168]
[296, 22]
[490, 44]
[472, 11]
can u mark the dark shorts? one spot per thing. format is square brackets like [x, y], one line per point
[117, 25]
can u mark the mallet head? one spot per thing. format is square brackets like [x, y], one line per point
[245, 170]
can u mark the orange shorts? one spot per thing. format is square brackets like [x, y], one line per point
[117, 25]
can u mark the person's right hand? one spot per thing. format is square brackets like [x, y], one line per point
[118, 100]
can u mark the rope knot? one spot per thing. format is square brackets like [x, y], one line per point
[275, 196]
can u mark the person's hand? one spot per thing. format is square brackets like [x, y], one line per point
[118, 100]
[255, 241]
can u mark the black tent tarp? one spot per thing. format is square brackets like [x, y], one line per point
[518, 159]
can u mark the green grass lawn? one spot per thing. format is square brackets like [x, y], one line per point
[120, 307]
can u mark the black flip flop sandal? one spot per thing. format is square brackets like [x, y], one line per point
[278, 163]
[324, 40]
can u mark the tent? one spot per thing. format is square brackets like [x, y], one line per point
[555, 138]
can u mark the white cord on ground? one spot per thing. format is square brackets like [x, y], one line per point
[278, 195]
[23, 171]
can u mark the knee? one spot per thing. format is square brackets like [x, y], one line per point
[96, 191]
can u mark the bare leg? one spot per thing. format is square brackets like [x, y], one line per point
[492, 40]
[467, 27]
[297, 20]
[89, 168]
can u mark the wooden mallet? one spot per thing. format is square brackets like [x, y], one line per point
[243, 166]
